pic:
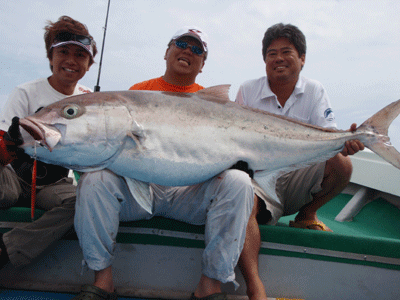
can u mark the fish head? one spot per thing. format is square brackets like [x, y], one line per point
[79, 132]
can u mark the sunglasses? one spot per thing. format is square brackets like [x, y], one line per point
[67, 36]
[183, 45]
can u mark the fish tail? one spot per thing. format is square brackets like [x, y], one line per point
[379, 124]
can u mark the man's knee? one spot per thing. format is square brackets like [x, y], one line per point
[88, 183]
[90, 178]
[93, 180]
[237, 187]
[9, 196]
[340, 167]
[98, 184]
[237, 178]
[8, 199]
[10, 189]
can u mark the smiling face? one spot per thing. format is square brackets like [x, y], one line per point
[183, 63]
[69, 64]
[283, 63]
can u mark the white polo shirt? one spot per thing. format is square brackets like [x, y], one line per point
[309, 102]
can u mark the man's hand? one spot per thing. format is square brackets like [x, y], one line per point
[353, 146]
[14, 134]
[9, 142]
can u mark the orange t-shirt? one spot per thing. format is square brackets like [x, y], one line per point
[159, 84]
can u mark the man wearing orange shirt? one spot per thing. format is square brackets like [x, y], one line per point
[185, 59]
[105, 198]
[182, 68]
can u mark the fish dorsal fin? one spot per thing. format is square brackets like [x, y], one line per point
[218, 93]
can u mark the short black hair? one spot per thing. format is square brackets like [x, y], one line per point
[280, 30]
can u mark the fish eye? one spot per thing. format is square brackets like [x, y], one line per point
[71, 111]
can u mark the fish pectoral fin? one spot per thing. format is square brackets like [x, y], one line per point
[137, 135]
[137, 138]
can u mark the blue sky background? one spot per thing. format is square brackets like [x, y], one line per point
[353, 47]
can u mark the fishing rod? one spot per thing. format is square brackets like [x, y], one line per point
[97, 86]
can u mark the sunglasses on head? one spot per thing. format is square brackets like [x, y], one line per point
[67, 36]
[183, 45]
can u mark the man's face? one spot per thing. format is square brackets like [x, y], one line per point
[184, 61]
[69, 63]
[283, 63]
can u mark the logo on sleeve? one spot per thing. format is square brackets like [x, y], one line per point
[328, 114]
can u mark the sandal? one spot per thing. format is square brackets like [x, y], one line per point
[91, 292]
[217, 296]
[308, 224]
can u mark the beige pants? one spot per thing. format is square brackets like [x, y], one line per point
[294, 190]
[57, 199]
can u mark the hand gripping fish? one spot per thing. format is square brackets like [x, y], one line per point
[182, 139]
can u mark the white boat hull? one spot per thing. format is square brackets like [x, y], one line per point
[156, 271]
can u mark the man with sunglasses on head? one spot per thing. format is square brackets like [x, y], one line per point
[70, 50]
[214, 203]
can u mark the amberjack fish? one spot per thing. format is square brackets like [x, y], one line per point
[183, 139]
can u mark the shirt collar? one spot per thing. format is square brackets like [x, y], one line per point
[298, 89]
[300, 86]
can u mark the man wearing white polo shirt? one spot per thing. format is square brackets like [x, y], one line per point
[284, 92]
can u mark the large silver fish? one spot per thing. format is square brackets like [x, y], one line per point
[182, 139]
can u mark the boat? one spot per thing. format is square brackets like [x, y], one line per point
[161, 258]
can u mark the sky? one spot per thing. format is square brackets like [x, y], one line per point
[353, 47]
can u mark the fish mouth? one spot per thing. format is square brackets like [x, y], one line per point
[48, 136]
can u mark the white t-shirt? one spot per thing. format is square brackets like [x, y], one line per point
[26, 98]
[309, 102]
